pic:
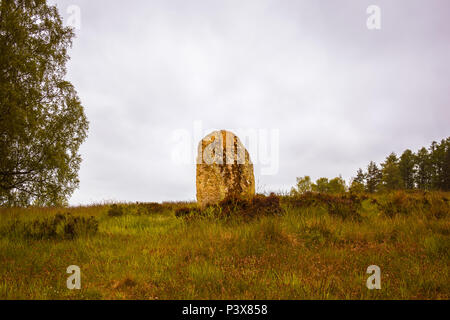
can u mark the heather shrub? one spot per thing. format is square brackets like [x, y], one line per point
[395, 203]
[186, 212]
[345, 206]
[150, 208]
[115, 210]
[436, 206]
[433, 205]
[61, 226]
[138, 208]
[262, 205]
[259, 205]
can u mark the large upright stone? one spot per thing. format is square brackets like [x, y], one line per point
[223, 169]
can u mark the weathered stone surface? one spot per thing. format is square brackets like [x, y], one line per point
[223, 169]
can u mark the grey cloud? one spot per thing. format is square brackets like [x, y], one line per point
[340, 95]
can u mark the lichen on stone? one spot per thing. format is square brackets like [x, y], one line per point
[224, 169]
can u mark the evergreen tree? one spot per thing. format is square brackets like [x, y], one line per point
[438, 154]
[446, 167]
[429, 169]
[358, 183]
[407, 166]
[423, 169]
[373, 177]
[360, 177]
[391, 176]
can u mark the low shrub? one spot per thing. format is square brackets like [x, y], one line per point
[61, 226]
[345, 206]
[437, 206]
[185, 212]
[259, 205]
[151, 207]
[138, 208]
[432, 205]
[115, 210]
[396, 203]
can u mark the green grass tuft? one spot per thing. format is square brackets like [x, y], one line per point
[308, 247]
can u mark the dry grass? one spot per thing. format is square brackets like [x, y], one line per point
[305, 253]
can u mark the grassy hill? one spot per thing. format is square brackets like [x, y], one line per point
[318, 247]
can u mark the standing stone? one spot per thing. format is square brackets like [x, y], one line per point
[224, 169]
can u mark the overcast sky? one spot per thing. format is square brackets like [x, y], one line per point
[338, 93]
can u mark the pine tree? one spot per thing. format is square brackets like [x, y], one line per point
[438, 153]
[446, 167]
[360, 177]
[391, 176]
[423, 169]
[407, 166]
[373, 177]
[358, 183]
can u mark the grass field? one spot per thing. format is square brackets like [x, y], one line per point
[304, 253]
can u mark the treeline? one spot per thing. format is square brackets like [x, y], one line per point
[426, 169]
[322, 185]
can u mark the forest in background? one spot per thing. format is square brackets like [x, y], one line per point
[427, 169]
